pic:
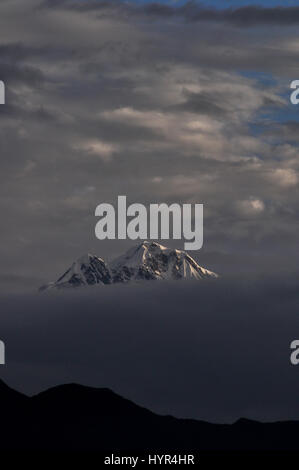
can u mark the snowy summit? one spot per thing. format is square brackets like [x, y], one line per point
[146, 261]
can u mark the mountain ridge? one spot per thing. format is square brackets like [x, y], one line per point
[147, 261]
[73, 417]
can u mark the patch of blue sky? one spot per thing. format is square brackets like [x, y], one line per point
[285, 112]
[263, 78]
[271, 118]
[272, 115]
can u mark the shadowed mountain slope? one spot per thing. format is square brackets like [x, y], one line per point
[78, 418]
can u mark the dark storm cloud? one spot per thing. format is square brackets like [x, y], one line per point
[288, 130]
[11, 277]
[245, 16]
[17, 52]
[201, 103]
[14, 52]
[214, 351]
[27, 75]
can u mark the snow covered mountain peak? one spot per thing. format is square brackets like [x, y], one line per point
[150, 260]
[86, 270]
[138, 254]
[146, 261]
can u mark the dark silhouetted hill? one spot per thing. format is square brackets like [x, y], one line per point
[78, 418]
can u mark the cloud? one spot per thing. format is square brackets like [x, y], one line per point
[242, 17]
[251, 207]
[146, 342]
[245, 16]
[96, 147]
[285, 177]
[140, 100]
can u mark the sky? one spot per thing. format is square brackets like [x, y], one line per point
[174, 102]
